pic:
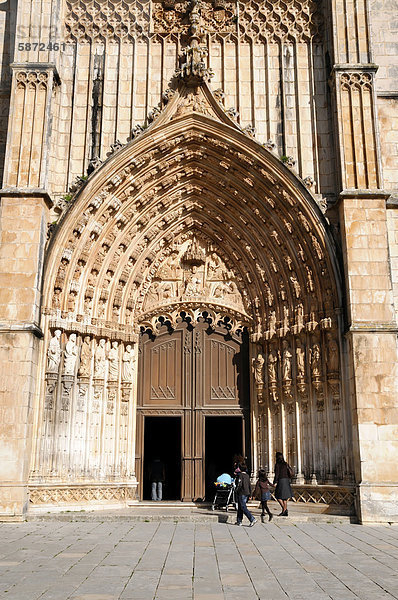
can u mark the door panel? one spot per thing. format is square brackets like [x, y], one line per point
[221, 373]
[162, 372]
[189, 372]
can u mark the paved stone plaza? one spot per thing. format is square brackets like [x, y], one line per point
[130, 560]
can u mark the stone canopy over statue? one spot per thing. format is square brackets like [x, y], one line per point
[190, 274]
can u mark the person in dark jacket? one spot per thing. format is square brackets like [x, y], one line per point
[262, 493]
[243, 490]
[283, 489]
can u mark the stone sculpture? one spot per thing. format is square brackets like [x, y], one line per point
[70, 355]
[54, 352]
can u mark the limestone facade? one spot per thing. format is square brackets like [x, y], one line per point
[173, 164]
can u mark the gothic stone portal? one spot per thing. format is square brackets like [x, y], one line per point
[166, 237]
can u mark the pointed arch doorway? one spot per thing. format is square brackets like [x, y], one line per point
[193, 383]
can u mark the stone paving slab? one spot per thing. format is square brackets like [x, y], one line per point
[130, 560]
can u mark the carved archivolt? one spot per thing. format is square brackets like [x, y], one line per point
[262, 248]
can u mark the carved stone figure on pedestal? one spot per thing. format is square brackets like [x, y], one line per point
[258, 366]
[70, 355]
[300, 358]
[100, 360]
[316, 361]
[54, 352]
[128, 364]
[113, 358]
[85, 358]
[287, 362]
[272, 365]
[333, 355]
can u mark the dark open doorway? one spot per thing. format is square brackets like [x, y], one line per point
[162, 439]
[223, 440]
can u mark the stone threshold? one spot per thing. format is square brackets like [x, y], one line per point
[189, 512]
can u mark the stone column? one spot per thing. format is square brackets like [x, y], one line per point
[371, 337]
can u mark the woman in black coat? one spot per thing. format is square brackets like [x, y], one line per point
[283, 489]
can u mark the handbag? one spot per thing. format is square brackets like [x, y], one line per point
[290, 471]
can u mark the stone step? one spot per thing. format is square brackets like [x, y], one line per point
[189, 512]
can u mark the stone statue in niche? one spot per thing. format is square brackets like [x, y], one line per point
[101, 308]
[299, 310]
[88, 303]
[62, 272]
[272, 366]
[113, 361]
[258, 369]
[85, 358]
[107, 279]
[54, 352]
[300, 359]
[286, 361]
[272, 322]
[268, 294]
[100, 360]
[92, 278]
[71, 302]
[128, 364]
[70, 355]
[56, 303]
[295, 284]
[333, 355]
[316, 361]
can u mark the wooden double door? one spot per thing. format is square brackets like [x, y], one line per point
[190, 375]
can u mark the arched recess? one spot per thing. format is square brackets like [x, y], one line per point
[191, 190]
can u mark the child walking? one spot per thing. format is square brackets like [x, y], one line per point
[261, 492]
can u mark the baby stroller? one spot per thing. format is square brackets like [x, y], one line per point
[225, 495]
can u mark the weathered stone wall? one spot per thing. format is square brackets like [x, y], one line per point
[384, 42]
[22, 238]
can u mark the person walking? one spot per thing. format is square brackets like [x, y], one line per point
[262, 493]
[157, 477]
[283, 474]
[243, 491]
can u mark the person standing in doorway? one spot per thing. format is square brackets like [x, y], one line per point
[283, 491]
[243, 492]
[262, 493]
[157, 477]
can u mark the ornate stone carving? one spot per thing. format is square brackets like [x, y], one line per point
[32, 79]
[54, 352]
[117, 21]
[70, 355]
[113, 362]
[128, 360]
[85, 358]
[276, 20]
[182, 278]
[100, 360]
